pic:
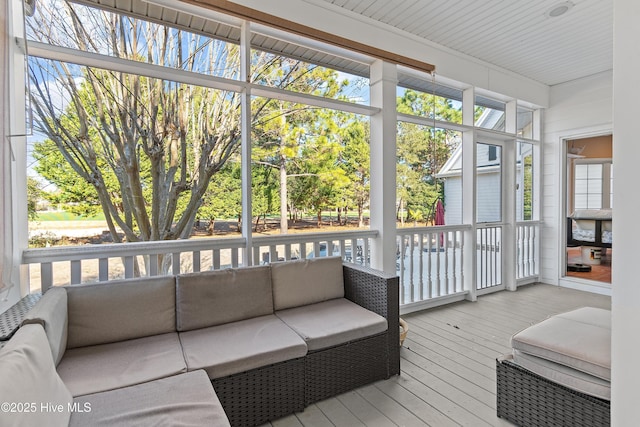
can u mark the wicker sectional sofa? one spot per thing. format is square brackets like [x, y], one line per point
[231, 347]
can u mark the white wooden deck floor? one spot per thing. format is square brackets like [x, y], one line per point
[448, 364]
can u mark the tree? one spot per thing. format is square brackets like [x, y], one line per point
[282, 129]
[35, 193]
[145, 148]
[421, 152]
[355, 161]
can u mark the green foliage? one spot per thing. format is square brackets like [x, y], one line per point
[74, 194]
[421, 153]
[34, 195]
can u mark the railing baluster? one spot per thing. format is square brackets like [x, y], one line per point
[429, 265]
[421, 266]
[234, 257]
[46, 276]
[128, 267]
[103, 269]
[446, 262]
[462, 243]
[175, 263]
[76, 272]
[412, 297]
[196, 261]
[454, 237]
[153, 265]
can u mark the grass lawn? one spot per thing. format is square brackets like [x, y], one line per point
[66, 216]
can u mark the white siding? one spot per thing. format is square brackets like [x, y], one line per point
[453, 200]
[488, 206]
[577, 109]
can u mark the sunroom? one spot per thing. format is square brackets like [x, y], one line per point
[508, 152]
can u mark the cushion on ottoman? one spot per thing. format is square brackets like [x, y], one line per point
[241, 346]
[579, 339]
[105, 367]
[182, 400]
[330, 323]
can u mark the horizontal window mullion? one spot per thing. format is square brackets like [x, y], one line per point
[426, 121]
[96, 60]
[313, 100]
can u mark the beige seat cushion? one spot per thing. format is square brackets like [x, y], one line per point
[330, 323]
[28, 377]
[240, 346]
[120, 310]
[216, 297]
[51, 313]
[105, 367]
[579, 339]
[182, 400]
[297, 283]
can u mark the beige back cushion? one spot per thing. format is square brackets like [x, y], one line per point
[120, 310]
[217, 297]
[51, 313]
[297, 283]
[29, 378]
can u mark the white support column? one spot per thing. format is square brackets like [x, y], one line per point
[470, 253]
[13, 185]
[245, 107]
[625, 346]
[384, 80]
[468, 106]
[537, 124]
[537, 167]
[511, 117]
[509, 178]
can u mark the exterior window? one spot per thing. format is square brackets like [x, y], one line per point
[420, 99]
[524, 123]
[489, 114]
[493, 153]
[525, 182]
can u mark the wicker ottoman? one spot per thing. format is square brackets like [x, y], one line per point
[559, 372]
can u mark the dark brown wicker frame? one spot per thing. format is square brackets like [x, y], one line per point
[255, 397]
[527, 399]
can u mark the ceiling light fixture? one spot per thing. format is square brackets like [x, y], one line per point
[559, 9]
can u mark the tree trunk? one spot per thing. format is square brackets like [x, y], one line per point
[284, 224]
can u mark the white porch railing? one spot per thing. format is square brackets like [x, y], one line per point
[430, 263]
[528, 252]
[489, 256]
[93, 263]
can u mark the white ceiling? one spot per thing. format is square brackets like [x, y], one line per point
[516, 35]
